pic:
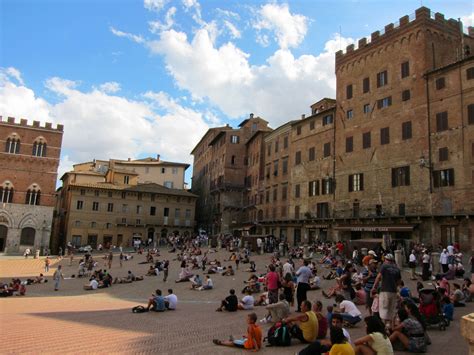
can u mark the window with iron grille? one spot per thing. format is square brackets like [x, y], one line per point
[356, 182]
[401, 176]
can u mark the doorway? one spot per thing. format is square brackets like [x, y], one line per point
[3, 237]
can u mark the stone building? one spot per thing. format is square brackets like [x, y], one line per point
[29, 160]
[108, 204]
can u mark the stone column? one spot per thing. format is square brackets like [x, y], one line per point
[399, 258]
[435, 263]
[467, 330]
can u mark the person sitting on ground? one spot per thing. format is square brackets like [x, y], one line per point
[448, 308]
[171, 301]
[333, 290]
[322, 320]
[360, 295]
[93, 284]
[252, 284]
[196, 282]
[410, 332]
[208, 284]
[315, 282]
[151, 271]
[185, 275]
[459, 270]
[229, 271]
[156, 301]
[376, 341]
[289, 288]
[253, 339]
[306, 328]
[247, 302]
[252, 267]
[229, 303]
[277, 311]
[458, 296]
[348, 310]
[466, 289]
[262, 299]
[340, 345]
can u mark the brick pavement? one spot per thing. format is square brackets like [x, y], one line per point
[72, 320]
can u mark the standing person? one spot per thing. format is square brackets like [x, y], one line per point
[165, 270]
[109, 260]
[57, 276]
[425, 275]
[272, 280]
[412, 264]
[60, 253]
[121, 259]
[443, 260]
[47, 262]
[71, 257]
[27, 253]
[304, 274]
[389, 276]
[368, 278]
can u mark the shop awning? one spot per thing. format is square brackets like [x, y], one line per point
[376, 228]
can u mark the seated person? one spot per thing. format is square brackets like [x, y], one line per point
[156, 301]
[106, 281]
[459, 270]
[348, 310]
[93, 284]
[466, 289]
[229, 271]
[448, 308]
[409, 332]
[184, 275]
[278, 311]
[208, 284]
[303, 326]
[171, 301]
[252, 267]
[229, 303]
[458, 296]
[337, 288]
[151, 271]
[247, 302]
[376, 341]
[253, 339]
[315, 282]
[196, 282]
[262, 299]
[322, 320]
[360, 296]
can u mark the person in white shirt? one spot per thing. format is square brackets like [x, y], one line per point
[443, 260]
[93, 285]
[288, 268]
[247, 302]
[171, 301]
[208, 285]
[349, 311]
[412, 264]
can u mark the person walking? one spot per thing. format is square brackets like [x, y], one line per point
[57, 276]
[304, 274]
[166, 265]
[109, 260]
[443, 260]
[412, 264]
[47, 262]
[425, 275]
[272, 283]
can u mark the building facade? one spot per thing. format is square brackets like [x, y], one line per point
[29, 161]
[110, 206]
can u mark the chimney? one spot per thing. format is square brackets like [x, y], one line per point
[158, 157]
[251, 115]
[128, 159]
[303, 116]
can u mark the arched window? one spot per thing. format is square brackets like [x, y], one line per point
[33, 195]
[39, 147]
[27, 236]
[6, 192]
[12, 145]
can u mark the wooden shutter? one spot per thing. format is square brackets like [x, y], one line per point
[361, 182]
[351, 183]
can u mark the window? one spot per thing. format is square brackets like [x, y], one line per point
[366, 140]
[234, 139]
[79, 205]
[366, 108]
[401, 209]
[109, 194]
[108, 225]
[327, 120]
[283, 211]
[297, 191]
[138, 221]
[327, 149]
[406, 130]
[470, 114]
[442, 178]
[349, 144]
[327, 186]
[405, 69]
[39, 149]
[322, 210]
[298, 130]
[284, 192]
[311, 125]
[366, 85]
[349, 91]
[110, 207]
[382, 79]
[95, 206]
[442, 121]
[356, 182]
[275, 168]
[166, 212]
[124, 208]
[311, 154]
[401, 176]
[93, 224]
[470, 73]
[269, 149]
[12, 146]
[440, 83]
[385, 102]
[284, 166]
[96, 193]
[268, 167]
[32, 197]
[350, 114]
[76, 241]
[406, 95]
[356, 209]
[124, 195]
[6, 194]
[298, 158]
[152, 211]
[187, 214]
[83, 192]
[124, 220]
[27, 236]
[168, 184]
[385, 135]
[139, 209]
[152, 197]
[77, 223]
[174, 171]
[126, 179]
[285, 142]
[275, 194]
[443, 154]
[232, 160]
[277, 143]
[313, 188]
[139, 196]
[267, 196]
[379, 211]
[297, 216]
[163, 170]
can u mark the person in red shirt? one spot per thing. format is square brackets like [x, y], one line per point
[272, 280]
[253, 339]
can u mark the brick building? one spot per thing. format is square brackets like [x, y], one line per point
[29, 161]
[101, 202]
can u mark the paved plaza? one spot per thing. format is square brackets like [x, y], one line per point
[76, 321]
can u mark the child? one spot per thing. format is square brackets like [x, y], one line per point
[253, 339]
[448, 308]
[375, 306]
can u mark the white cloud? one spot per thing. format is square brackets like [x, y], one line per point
[468, 20]
[110, 87]
[194, 7]
[100, 125]
[10, 72]
[158, 26]
[130, 36]
[154, 5]
[289, 30]
[234, 32]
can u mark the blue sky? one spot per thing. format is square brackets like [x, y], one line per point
[139, 78]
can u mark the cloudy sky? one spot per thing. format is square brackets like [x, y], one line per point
[140, 78]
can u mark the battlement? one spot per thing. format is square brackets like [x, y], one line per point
[392, 29]
[35, 124]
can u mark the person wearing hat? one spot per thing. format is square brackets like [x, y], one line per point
[371, 255]
[389, 277]
[368, 278]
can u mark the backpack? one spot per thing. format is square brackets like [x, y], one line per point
[279, 335]
[139, 309]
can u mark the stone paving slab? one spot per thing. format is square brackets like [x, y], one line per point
[72, 320]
